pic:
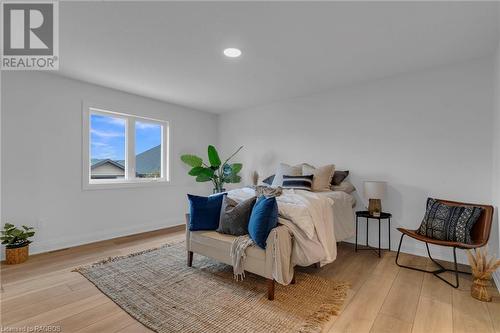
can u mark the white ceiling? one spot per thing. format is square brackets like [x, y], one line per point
[173, 51]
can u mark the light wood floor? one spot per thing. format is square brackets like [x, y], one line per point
[383, 298]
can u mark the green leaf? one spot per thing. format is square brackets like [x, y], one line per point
[196, 171]
[232, 179]
[192, 160]
[207, 172]
[8, 225]
[213, 157]
[236, 167]
[203, 178]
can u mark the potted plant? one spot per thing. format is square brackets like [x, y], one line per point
[482, 267]
[16, 243]
[219, 173]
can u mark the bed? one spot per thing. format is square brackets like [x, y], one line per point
[317, 221]
[310, 225]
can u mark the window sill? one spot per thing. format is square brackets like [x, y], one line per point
[108, 185]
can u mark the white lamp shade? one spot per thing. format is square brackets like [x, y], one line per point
[374, 189]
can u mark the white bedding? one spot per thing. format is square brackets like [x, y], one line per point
[314, 219]
[343, 214]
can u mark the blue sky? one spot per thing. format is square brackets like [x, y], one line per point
[147, 136]
[107, 137]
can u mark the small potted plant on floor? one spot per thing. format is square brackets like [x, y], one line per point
[482, 267]
[16, 243]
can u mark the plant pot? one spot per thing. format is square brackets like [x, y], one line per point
[479, 289]
[16, 255]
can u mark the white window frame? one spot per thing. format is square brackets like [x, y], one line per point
[130, 179]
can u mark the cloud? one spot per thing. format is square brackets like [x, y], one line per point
[108, 120]
[103, 151]
[141, 125]
[107, 134]
[115, 121]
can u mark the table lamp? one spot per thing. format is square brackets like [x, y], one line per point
[374, 192]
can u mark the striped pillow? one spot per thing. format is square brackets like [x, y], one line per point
[297, 182]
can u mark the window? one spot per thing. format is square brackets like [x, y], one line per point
[147, 149]
[123, 149]
[107, 147]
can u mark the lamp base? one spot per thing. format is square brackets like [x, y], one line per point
[374, 207]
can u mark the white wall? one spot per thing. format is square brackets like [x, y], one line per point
[495, 247]
[426, 133]
[42, 162]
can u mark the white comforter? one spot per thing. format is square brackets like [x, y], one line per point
[309, 217]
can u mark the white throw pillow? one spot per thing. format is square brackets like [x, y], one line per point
[285, 169]
[322, 176]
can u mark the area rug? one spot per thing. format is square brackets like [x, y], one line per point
[158, 289]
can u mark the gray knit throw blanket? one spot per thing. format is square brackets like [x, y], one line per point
[267, 191]
[238, 248]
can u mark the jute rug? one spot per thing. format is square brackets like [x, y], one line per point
[158, 289]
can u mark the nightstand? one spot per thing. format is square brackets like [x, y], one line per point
[366, 214]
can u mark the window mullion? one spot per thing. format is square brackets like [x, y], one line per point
[130, 148]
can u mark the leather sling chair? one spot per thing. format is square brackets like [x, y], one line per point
[480, 234]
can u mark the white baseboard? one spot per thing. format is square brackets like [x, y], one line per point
[496, 279]
[53, 245]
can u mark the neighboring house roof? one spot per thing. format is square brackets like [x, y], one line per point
[148, 161]
[98, 163]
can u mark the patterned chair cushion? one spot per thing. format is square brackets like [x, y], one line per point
[450, 223]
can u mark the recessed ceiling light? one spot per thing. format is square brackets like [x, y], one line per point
[232, 52]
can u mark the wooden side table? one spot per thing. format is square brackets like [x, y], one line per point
[366, 214]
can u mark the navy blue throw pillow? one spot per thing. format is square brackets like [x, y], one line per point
[263, 219]
[204, 211]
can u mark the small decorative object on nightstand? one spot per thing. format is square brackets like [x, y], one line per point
[382, 216]
[374, 193]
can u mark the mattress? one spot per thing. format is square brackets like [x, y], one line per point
[343, 214]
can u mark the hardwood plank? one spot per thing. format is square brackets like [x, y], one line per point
[87, 317]
[17, 289]
[389, 324]
[413, 261]
[434, 288]
[68, 310]
[34, 297]
[494, 311]
[469, 314]
[433, 315]
[135, 327]
[71, 262]
[116, 321]
[361, 312]
[34, 309]
[402, 300]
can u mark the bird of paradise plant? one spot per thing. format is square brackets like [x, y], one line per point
[216, 171]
